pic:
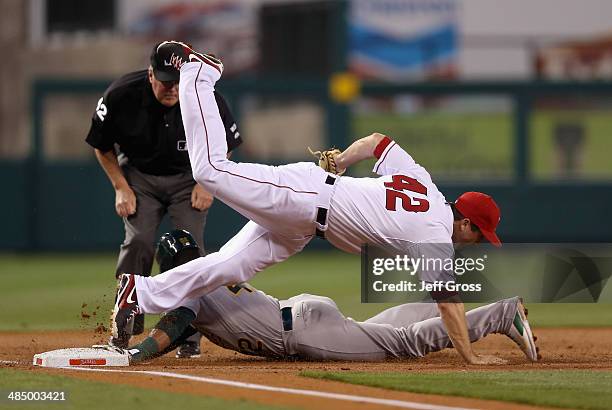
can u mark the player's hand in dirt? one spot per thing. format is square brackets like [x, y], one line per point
[125, 201]
[487, 359]
[200, 198]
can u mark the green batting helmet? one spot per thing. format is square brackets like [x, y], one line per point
[174, 244]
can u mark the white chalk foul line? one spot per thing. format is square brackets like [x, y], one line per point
[301, 392]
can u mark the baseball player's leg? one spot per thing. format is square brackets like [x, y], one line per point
[137, 250]
[406, 314]
[253, 249]
[281, 199]
[322, 332]
[430, 335]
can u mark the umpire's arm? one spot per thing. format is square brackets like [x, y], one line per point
[125, 199]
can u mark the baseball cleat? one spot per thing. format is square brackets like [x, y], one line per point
[520, 333]
[124, 312]
[188, 350]
[176, 53]
[139, 322]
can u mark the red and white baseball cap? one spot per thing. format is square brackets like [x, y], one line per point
[482, 211]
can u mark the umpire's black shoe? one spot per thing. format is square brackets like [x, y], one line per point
[126, 308]
[188, 350]
[175, 53]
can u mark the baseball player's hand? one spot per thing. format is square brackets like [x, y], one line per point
[200, 198]
[487, 359]
[110, 348]
[125, 202]
[327, 160]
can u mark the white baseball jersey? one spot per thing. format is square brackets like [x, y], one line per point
[397, 210]
[402, 210]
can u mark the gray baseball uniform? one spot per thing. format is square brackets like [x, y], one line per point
[247, 320]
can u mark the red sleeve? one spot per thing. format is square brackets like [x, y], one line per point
[380, 148]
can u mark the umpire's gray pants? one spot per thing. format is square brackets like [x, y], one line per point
[322, 332]
[155, 196]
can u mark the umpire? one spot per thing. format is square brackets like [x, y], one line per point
[138, 138]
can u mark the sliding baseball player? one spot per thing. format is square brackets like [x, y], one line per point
[309, 327]
[402, 210]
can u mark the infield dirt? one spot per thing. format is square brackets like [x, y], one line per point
[561, 348]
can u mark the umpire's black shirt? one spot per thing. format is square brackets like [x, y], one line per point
[150, 134]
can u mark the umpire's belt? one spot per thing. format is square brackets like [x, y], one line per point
[323, 201]
[287, 318]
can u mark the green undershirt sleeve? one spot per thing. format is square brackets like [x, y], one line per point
[176, 324]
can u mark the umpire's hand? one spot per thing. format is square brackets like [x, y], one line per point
[125, 201]
[200, 198]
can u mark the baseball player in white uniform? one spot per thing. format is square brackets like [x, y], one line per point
[401, 210]
[246, 320]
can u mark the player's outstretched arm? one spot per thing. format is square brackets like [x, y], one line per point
[452, 312]
[171, 330]
[359, 150]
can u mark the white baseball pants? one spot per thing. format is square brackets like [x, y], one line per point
[279, 201]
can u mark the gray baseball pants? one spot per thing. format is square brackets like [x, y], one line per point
[155, 196]
[322, 332]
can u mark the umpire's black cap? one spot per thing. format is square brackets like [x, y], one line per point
[162, 69]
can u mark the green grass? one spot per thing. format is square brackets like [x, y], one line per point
[84, 394]
[47, 291]
[559, 388]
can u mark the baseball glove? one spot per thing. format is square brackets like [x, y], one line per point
[327, 160]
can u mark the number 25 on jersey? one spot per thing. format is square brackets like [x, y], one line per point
[395, 190]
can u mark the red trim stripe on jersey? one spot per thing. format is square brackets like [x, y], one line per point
[380, 148]
[227, 172]
[380, 161]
